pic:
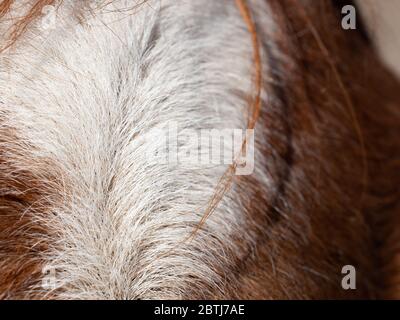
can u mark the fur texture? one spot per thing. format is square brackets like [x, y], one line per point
[79, 196]
[121, 221]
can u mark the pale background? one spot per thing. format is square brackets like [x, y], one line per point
[383, 21]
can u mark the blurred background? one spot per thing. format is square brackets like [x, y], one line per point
[383, 21]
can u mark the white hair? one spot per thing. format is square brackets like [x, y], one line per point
[87, 97]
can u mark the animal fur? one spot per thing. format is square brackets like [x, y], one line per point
[78, 105]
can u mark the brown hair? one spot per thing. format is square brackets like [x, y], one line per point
[20, 24]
